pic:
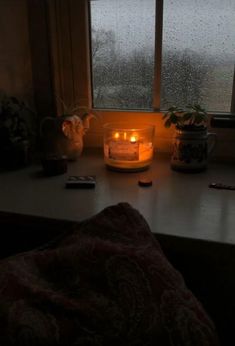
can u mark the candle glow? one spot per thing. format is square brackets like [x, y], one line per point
[128, 149]
[133, 139]
[116, 135]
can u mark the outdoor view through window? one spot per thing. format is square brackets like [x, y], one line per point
[198, 53]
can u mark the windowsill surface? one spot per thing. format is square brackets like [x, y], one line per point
[176, 204]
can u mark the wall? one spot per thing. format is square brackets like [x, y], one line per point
[15, 61]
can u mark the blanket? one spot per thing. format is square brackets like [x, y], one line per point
[105, 283]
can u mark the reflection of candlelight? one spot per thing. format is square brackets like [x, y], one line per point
[124, 135]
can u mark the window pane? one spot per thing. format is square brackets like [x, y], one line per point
[198, 53]
[122, 38]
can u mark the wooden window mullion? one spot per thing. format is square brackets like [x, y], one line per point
[233, 94]
[158, 55]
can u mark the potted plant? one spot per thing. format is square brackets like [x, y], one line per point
[63, 135]
[16, 132]
[190, 145]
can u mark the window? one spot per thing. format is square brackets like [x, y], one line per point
[147, 55]
[123, 53]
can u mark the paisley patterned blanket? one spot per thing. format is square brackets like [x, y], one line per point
[106, 283]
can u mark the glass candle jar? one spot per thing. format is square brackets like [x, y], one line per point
[126, 148]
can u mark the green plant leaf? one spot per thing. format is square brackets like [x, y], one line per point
[165, 115]
[168, 123]
[193, 114]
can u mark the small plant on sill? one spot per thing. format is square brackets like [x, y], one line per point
[83, 113]
[16, 120]
[17, 131]
[63, 135]
[191, 148]
[192, 118]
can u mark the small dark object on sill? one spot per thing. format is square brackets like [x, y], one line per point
[145, 182]
[54, 165]
[221, 186]
[81, 182]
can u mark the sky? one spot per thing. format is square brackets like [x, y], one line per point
[206, 26]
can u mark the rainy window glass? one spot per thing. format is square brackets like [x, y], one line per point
[122, 38]
[198, 53]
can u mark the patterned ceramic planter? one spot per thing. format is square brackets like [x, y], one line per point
[191, 150]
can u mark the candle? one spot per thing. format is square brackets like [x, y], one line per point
[128, 149]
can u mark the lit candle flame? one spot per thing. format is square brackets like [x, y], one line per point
[133, 139]
[116, 135]
[124, 135]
